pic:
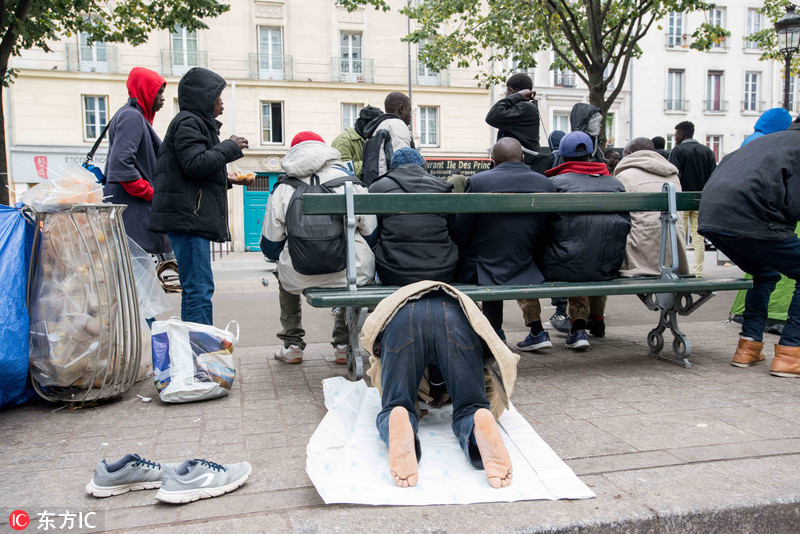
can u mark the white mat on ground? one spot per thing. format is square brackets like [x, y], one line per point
[348, 462]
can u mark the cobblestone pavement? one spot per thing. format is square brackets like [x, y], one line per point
[712, 448]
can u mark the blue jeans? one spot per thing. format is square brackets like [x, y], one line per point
[765, 261]
[433, 331]
[193, 254]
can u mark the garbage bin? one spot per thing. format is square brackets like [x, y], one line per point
[85, 337]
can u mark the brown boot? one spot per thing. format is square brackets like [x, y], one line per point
[786, 362]
[748, 353]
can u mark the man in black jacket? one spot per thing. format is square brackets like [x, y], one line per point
[414, 246]
[695, 164]
[497, 248]
[190, 202]
[517, 116]
[749, 211]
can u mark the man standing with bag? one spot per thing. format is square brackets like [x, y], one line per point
[132, 152]
[190, 203]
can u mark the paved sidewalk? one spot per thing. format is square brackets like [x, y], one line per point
[708, 449]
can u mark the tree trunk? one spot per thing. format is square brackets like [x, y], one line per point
[4, 182]
[597, 97]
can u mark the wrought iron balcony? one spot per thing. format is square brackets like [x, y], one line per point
[178, 62]
[676, 40]
[681, 106]
[99, 57]
[751, 105]
[564, 79]
[715, 106]
[426, 76]
[266, 67]
[350, 70]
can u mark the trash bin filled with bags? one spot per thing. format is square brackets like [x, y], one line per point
[85, 333]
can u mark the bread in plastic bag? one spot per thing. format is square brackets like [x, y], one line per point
[75, 186]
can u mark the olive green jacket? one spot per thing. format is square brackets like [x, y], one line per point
[351, 146]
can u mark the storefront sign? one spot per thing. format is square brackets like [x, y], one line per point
[32, 164]
[445, 167]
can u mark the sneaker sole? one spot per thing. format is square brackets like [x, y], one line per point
[536, 348]
[743, 365]
[288, 360]
[784, 375]
[110, 491]
[579, 345]
[184, 496]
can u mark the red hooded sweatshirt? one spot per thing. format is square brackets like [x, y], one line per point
[143, 85]
[580, 167]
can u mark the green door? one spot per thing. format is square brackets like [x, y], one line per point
[255, 203]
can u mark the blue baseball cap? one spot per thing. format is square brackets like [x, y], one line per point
[570, 143]
[406, 155]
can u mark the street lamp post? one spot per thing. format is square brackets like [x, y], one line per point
[788, 28]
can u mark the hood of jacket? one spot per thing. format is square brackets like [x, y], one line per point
[143, 85]
[649, 161]
[500, 371]
[555, 138]
[410, 177]
[365, 116]
[578, 167]
[773, 120]
[585, 118]
[198, 90]
[304, 159]
[372, 127]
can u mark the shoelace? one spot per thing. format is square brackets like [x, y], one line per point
[146, 463]
[210, 465]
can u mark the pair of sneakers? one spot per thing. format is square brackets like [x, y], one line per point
[294, 354]
[561, 322]
[577, 340]
[176, 483]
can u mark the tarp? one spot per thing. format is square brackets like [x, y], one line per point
[778, 302]
[16, 239]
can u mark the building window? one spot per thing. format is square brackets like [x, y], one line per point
[349, 115]
[428, 126]
[271, 123]
[425, 74]
[753, 26]
[714, 142]
[675, 100]
[714, 100]
[563, 78]
[184, 51]
[270, 53]
[351, 59]
[716, 17]
[95, 115]
[751, 91]
[561, 122]
[92, 57]
[675, 30]
[670, 144]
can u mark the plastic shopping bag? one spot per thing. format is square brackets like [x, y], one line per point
[192, 361]
[152, 299]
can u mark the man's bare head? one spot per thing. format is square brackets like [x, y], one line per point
[506, 149]
[635, 145]
[398, 104]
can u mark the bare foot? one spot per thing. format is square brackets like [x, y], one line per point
[496, 461]
[402, 453]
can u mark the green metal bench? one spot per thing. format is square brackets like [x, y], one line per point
[669, 294]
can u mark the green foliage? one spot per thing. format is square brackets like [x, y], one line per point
[32, 23]
[767, 39]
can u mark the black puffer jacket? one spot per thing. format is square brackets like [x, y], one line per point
[586, 247]
[413, 247]
[191, 180]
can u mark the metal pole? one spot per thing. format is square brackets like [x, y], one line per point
[786, 74]
[408, 20]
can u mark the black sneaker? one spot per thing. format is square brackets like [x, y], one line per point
[560, 321]
[596, 328]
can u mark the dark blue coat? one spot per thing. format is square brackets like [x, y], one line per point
[498, 248]
[132, 151]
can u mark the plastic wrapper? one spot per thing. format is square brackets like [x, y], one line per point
[192, 361]
[75, 186]
[84, 330]
[151, 297]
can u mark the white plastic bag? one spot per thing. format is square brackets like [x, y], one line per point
[75, 186]
[150, 295]
[192, 361]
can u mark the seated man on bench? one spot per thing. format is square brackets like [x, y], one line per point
[427, 327]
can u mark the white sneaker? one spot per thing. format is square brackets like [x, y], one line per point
[340, 353]
[291, 354]
[201, 479]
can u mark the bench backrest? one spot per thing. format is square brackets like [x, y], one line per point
[388, 203]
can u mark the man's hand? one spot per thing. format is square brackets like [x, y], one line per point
[241, 142]
[243, 179]
[527, 94]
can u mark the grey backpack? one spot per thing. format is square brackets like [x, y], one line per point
[317, 243]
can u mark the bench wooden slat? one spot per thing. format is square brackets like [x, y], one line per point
[389, 203]
[371, 295]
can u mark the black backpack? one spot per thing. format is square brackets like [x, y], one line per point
[317, 243]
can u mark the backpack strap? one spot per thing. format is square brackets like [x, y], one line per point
[336, 182]
[96, 145]
[290, 181]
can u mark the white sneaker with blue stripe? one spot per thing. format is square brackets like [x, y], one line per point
[130, 473]
[201, 479]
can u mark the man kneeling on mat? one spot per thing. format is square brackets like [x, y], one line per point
[431, 329]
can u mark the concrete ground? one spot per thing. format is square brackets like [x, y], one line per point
[708, 449]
